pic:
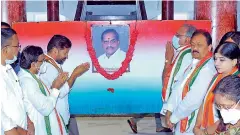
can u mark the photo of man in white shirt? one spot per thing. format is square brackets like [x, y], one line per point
[112, 58]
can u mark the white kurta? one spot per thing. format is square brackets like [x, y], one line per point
[12, 107]
[48, 77]
[38, 105]
[182, 108]
[114, 62]
[187, 59]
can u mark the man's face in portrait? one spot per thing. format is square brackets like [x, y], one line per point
[110, 43]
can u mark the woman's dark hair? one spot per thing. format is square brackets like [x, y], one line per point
[234, 35]
[229, 87]
[30, 54]
[5, 24]
[229, 50]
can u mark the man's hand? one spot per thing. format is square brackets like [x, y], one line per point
[82, 68]
[169, 52]
[60, 80]
[21, 131]
[168, 122]
[12, 132]
[198, 131]
[30, 128]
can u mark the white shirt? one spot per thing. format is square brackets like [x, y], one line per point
[182, 108]
[38, 105]
[48, 77]
[186, 61]
[12, 107]
[114, 62]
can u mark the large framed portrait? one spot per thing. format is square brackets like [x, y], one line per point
[111, 43]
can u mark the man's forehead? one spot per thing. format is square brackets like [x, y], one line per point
[109, 35]
[182, 30]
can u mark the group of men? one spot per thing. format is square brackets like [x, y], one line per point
[34, 98]
[188, 70]
[189, 67]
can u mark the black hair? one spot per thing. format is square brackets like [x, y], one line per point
[234, 35]
[229, 50]
[6, 34]
[59, 42]
[5, 24]
[229, 87]
[29, 55]
[205, 33]
[110, 31]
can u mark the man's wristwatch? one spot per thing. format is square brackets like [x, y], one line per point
[166, 61]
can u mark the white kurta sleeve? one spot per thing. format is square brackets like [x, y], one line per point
[194, 97]
[7, 123]
[50, 75]
[43, 104]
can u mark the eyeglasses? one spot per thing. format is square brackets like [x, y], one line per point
[19, 46]
[111, 41]
[219, 107]
[179, 35]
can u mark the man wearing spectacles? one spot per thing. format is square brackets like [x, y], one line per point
[14, 65]
[112, 58]
[14, 120]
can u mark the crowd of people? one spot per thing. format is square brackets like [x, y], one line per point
[201, 94]
[34, 96]
[201, 86]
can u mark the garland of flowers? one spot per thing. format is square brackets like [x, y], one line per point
[125, 63]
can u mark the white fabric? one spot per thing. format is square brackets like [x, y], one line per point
[183, 108]
[114, 62]
[48, 77]
[186, 61]
[6, 123]
[38, 105]
[12, 107]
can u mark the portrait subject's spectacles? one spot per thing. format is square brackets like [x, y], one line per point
[110, 41]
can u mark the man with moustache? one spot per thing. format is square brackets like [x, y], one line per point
[57, 52]
[113, 57]
[190, 88]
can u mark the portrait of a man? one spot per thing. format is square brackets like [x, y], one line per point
[112, 49]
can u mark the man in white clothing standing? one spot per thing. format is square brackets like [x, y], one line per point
[190, 88]
[12, 107]
[39, 100]
[57, 52]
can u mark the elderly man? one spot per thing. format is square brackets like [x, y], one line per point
[178, 56]
[190, 88]
[57, 52]
[14, 114]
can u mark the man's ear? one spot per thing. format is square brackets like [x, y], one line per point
[55, 51]
[187, 40]
[210, 49]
